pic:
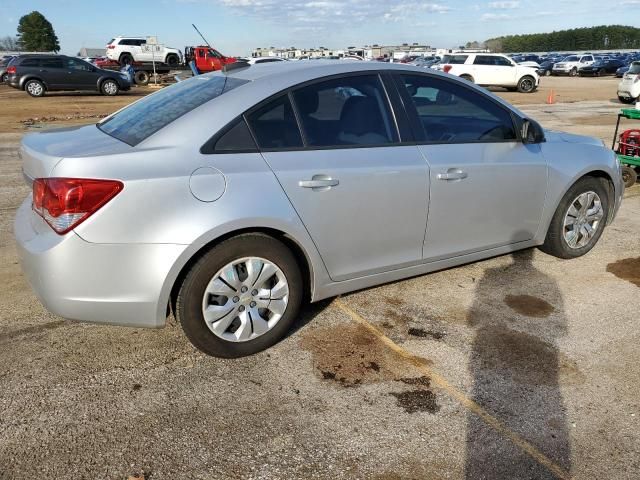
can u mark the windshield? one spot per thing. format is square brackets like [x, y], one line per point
[570, 59]
[145, 117]
[634, 68]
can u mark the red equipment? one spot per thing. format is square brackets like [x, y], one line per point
[629, 143]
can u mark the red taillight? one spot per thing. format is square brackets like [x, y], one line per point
[111, 47]
[65, 203]
[447, 68]
[11, 69]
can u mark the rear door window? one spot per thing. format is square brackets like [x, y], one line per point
[51, 63]
[143, 118]
[455, 59]
[274, 125]
[30, 62]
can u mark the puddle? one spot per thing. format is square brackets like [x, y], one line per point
[529, 305]
[627, 269]
[525, 358]
[351, 355]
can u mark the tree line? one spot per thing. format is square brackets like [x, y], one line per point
[605, 37]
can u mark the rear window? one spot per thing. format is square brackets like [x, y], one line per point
[145, 117]
[30, 62]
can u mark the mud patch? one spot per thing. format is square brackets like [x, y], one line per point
[397, 319]
[393, 301]
[417, 401]
[351, 355]
[29, 331]
[529, 305]
[524, 358]
[627, 269]
[420, 332]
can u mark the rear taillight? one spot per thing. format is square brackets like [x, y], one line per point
[111, 47]
[11, 69]
[447, 68]
[64, 203]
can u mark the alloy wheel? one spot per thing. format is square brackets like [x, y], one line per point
[582, 220]
[35, 89]
[110, 88]
[245, 299]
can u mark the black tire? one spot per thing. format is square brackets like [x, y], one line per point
[555, 243]
[141, 77]
[547, 73]
[573, 72]
[126, 58]
[172, 60]
[4, 78]
[626, 100]
[35, 88]
[189, 301]
[629, 176]
[466, 77]
[109, 87]
[526, 84]
[602, 72]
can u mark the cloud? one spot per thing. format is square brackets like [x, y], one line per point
[508, 5]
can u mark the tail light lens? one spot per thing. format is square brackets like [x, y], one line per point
[64, 203]
[447, 68]
[11, 69]
[111, 47]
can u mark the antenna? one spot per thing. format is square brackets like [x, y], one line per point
[205, 40]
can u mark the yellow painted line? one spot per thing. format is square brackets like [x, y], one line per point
[458, 394]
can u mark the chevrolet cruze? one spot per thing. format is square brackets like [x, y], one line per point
[233, 197]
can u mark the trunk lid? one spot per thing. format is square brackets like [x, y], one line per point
[41, 151]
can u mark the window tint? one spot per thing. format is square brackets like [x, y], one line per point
[345, 111]
[146, 116]
[451, 113]
[236, 139]
[51, 63]
[274, 125]
[502, 61]
[455, 59]
[484, 60]
[30, 62]
[75, 64]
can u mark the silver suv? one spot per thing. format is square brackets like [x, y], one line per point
[232, 197]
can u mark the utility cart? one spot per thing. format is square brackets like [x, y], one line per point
[628, 150]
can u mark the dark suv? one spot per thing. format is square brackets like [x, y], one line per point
[37, 74]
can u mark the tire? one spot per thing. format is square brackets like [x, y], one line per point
[526, 84]
[172, 60]
[556, 243]
[547, 73]
[126, 58]
[35, 88]
[109, 87]
[466, 77]
[626, 100]
[191, 297]
[629, 176]
[141, 77]
[4, 78]
[602, 72]
[573, 72]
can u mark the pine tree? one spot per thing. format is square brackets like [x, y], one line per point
[36, 33]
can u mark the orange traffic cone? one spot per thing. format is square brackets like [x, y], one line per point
[551, 99]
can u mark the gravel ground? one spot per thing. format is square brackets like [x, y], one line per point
[519, 367]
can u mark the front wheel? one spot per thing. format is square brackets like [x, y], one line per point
[526, 84]
[629, 176]
[573, 72]
[109, 87]
[241, 297]
[547, 73]
[579, 219]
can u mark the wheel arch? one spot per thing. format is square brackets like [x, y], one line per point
[26, 78]
[168, 299]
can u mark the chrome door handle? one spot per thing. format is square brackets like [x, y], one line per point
[319, 183]
[453, 174]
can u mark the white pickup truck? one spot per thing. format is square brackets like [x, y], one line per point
[490, 70]
[571, 64]
[135, 49]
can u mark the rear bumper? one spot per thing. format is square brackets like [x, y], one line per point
[119, 284]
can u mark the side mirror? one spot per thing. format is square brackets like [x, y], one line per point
[531, 132]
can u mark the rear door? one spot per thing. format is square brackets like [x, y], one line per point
[52, 71]
[487, 187]
[362, 196]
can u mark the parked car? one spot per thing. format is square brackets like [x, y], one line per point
[600, 67]
[622, 70]
[629, 87]
[129, 49]
[231, 196]
[491, 70]
[4, 64]
[571, 64]
[38, 74]
[545, 68]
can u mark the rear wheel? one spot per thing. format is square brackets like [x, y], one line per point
[602, 72]
[172, 60]
[241, 297]
[141, 77]
[109, 87]
[547, 73]
[468, 78]
[126, 59]
[629, 176]
[579, 219]
[4, 78]
[35, 88]
[626, 100]
[527, 84]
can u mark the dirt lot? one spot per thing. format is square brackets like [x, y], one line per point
[518, 367]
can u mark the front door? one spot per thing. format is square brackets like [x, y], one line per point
[487, 187]
[361, 196]
[80, 75]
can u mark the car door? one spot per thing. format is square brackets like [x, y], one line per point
[80, 75]
[505, 71]
[52, 71]
[482, 70]
[362, 197]
[487, 188]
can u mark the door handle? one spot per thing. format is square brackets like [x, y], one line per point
[453, 174]
[44, 71]
[319, 183]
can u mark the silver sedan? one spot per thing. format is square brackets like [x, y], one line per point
[232, 197]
